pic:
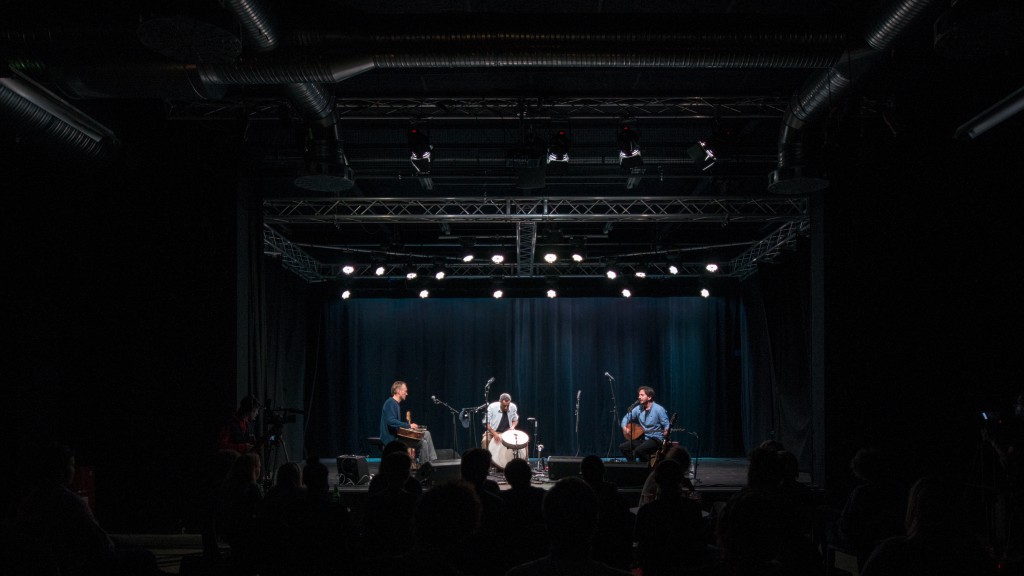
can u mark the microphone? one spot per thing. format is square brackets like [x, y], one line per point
[578, 396]
[610, 377]
[633, 405]
[434, 398]
[531, 419]
[491, 381]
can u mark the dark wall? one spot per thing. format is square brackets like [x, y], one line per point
[923, 275]
[121, 313]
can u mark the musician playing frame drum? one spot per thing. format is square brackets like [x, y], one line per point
[501, 416]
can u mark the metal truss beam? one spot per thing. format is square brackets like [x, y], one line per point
[526, 241]
[292, 257]
[456, 108]
[769, 247]
[534, 209]
[489, 271]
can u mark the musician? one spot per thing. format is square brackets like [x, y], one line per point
[239, 433]
[501, 416]
[391, 421]
[653, 418]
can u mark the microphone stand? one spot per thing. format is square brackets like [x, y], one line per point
[472, 421]
[455, 413]
[577, 423]
[615, 418]
[696, 459]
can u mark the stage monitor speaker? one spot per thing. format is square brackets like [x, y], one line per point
[446, 454]
[353, 468]
[563, 466]
[626, 474]
[440, 471]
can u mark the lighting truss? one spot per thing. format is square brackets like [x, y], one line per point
[473, 271]
[292, 257]
[768, 247]
[526, 240]
[533, 209]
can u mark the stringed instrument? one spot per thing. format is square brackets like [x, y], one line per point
[633, 431]
[666, 445]
[409, 436]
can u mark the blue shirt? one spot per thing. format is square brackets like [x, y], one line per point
[390, 421]
[653, 421]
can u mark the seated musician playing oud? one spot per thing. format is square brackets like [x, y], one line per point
[391, 422]
[652, 419]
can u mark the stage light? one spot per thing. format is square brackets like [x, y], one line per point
[348, 269]
[558, 147]
[424, 293]
[498, 293]
[419, 150]
[497, 258]
[440, 271]
[704, 292]
[629, 147]
[380, 270]
[410, 273]
[702, 154]
[640, 271]
[627, 293]
[577, 253]
[611, 274]
[552, 293]
[346, 294]
[467, 249]
[550, 257]
[711, 267]
[673, 269]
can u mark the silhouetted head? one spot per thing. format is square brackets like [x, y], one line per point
[592, 469]
[518, 473]
[395, 468]
[570, 513]
[392, 447]
[316, 476]
[475, 464]
[445, 514]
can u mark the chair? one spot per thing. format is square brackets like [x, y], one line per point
[375, 441]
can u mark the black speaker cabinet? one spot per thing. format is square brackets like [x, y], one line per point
[626, 474]
[563, 466]
[353, 468]
[440, 471]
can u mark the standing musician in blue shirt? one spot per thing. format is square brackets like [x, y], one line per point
[649, 416]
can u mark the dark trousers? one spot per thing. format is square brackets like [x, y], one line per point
[643, 448]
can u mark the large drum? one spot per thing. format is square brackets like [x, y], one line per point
[513, 444]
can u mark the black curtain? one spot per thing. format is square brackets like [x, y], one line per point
[696, 353]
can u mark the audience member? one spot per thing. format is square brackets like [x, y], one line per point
[936, 541]
[61, 523]
[570, 514]
[523, 510]
[389, 513]
[323, 534]
[613, 538]
[446, 517]
[378, 482]
[650, 489]
[670, 530]
[874, 510]
[237, 512]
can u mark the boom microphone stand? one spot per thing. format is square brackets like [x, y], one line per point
[455, 413]
[696, 459]
[615, 414]
[578, 422]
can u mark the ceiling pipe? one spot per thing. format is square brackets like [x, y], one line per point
[793, 175]
[41, 117]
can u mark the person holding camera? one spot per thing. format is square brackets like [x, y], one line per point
[239, 432]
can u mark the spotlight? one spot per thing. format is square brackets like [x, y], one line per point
[424, 293]
[498, 293]
[704, 292]
[346, 294]
[497, 258]
[552, 293]
[702, 154]
[440, 271]
[558, 147]
[711, 267]
[629, 147]
[380, 270]
[640, 271]
[467, 249]
[410, 273]
[673, 269]
[611, 274]
[626, 293]
[577, 250]
[419, 150]
[348, 269]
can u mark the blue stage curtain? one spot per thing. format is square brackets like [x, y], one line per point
[542, 352]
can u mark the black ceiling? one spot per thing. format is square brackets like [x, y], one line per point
[321, 95]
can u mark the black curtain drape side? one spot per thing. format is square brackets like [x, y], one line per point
[285, 359]
[777, 356]
[542, 352]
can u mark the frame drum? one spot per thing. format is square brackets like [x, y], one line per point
[515, 439]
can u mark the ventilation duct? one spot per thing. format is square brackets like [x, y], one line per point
[39, 117]
[794, 175]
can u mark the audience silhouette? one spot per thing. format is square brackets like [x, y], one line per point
[670, 530]
[613, 538]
